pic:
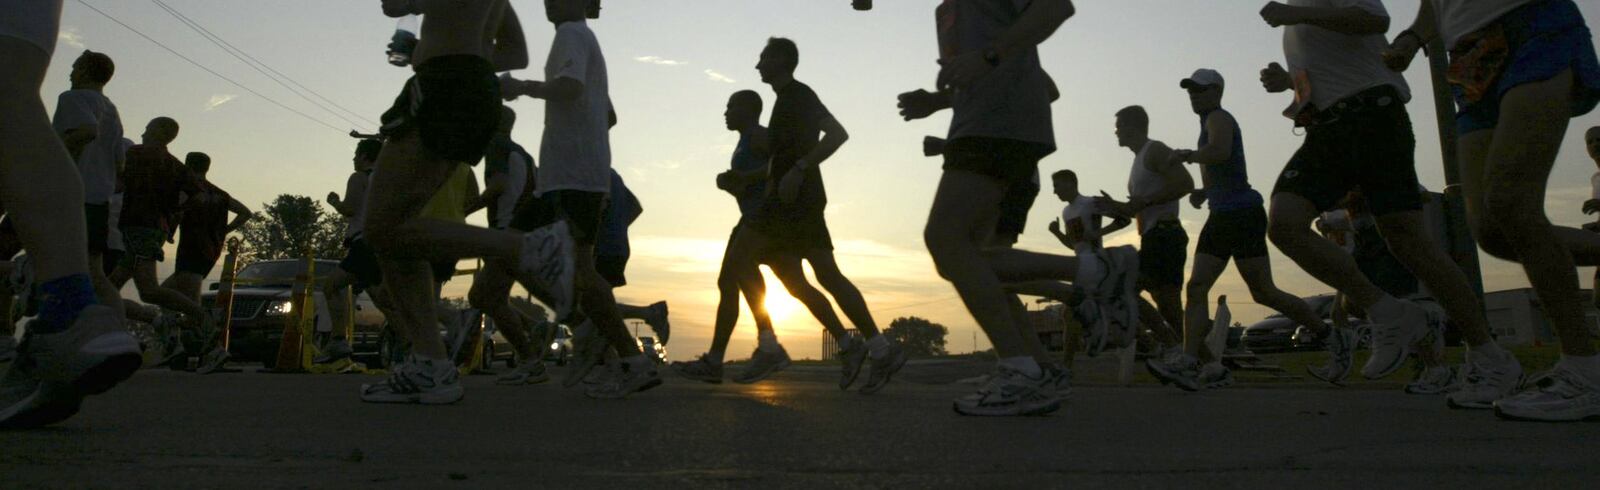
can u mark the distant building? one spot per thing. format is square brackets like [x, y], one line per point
[1516, 317]
[830, 347]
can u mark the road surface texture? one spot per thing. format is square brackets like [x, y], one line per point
[178, 430]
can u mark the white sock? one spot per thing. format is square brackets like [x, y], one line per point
[1023, 364]
[767, 340]
[878, 346]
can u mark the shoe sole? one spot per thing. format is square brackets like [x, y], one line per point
[1178, 381]
[1453, 404]
[762, 376]
[1044, 409]
[1336, 382]
[525, 381]
[1501, 413]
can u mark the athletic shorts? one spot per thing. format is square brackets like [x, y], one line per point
[1237, 234]
[34, 21]
[1163, 252]
[1011, 161]
[97, 221]
[195, 263]
[1365, 142]
[1531, 44]
[362, 264]
[613, 269]
[143, 244]
[790, 229]
[454, 103]
[1014, 208]
[583, 212]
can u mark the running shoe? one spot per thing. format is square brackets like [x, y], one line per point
[1183, 371]
[1563, 395]
[1433, 381]
[763, 364]
[1484, 380]
[1171, 356]
[851, 359]
[701, 369]
[1394, 338]
[632, 378]
[1341, 344]
[587, 350]
[547, 267]
[1010, 393]
[336, 350]
[526, 373]
[1061, 377]
[882, 368]
[54, 372]
[1096, 332]
[417, 381]
[1215, 375]
[8, 348]
[215, 361]
[659, 322]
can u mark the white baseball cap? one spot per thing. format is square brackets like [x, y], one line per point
[1204, 77]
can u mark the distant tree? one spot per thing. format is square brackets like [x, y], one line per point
[920, 337]
[288, 226]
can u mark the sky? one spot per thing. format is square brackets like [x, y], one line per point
[673, 64]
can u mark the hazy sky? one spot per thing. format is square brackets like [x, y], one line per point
[672, 65]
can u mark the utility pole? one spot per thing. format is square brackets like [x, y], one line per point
[1461, 246]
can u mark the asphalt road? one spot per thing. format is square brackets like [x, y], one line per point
[263, 430]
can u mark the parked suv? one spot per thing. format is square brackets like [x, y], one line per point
[259, 310]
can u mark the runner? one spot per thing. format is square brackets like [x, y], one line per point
[750, 156]
[74, 348]
[1001, 128]
[1155, 185]
[205, 226]
[359, 268]
[445, 117]
[1521, 70]
[574, 179]
[509, 181]
[1080, 231]
[612, 251]
[789, 227]
[91, 128]
[1235, 230]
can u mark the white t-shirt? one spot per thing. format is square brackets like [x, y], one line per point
[34, 21]
[1339, 65]
[1594, 186]
[1087, 213]
[577, 146]
[1143, 182]
[1457, 18]
[98, 162]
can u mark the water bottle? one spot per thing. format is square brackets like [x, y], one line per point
[404, 41]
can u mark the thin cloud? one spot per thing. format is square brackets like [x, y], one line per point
[714, 76]
[657, 60]
[218, 100]
[70, 37]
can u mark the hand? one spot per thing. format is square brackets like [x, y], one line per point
[1179, 157]
[1278, 15]
[725, 181]
[1055, 227]
[961, 71]
[932, 146]
[1197, 198]
[1109, 206]
[399, 8]
[1591, 206]
[918, 104]
[1276, 79]
[333, 198]
[789, 186]
[1401, 52]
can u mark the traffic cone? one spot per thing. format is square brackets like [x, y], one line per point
[292, 353]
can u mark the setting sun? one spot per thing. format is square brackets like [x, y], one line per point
[780, 305]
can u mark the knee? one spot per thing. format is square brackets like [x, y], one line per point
[1264, 296]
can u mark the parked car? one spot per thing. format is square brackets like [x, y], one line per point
[259, 309]
[652, 349]
[560, 346]
[1275, 333]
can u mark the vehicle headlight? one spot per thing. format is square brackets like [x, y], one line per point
[280, 308]
[555, 346]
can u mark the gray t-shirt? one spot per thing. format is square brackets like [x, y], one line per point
[1013, 100]
[576, 149]
[1339, 65]
[98, 162]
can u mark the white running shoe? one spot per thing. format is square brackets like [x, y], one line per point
[1433, 381]
[1562, 395]
[1485, 380]
[588, 348]
[547, 267]
[1394, 338]
[1215, 375]
[1096, 331]
[1183, 371]
[632, 378]
[417, 381]
[527, 372]
[1010, 393]
[54, 372]
[1341, 343]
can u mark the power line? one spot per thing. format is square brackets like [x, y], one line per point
[208, 70]
[260, 67]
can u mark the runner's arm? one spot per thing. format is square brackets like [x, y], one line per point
[241, 214]
[355, 191]
[1220, 146]
[833, 137]
[77, 138]
[1424, 29]
[1176, 183]
[510, 50]
[493, 187]
[1117, 224]
[1352, 20]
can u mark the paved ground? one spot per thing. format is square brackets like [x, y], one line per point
[263, 430]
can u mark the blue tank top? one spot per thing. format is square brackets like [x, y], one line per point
[1228, 184]
[746, 159]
